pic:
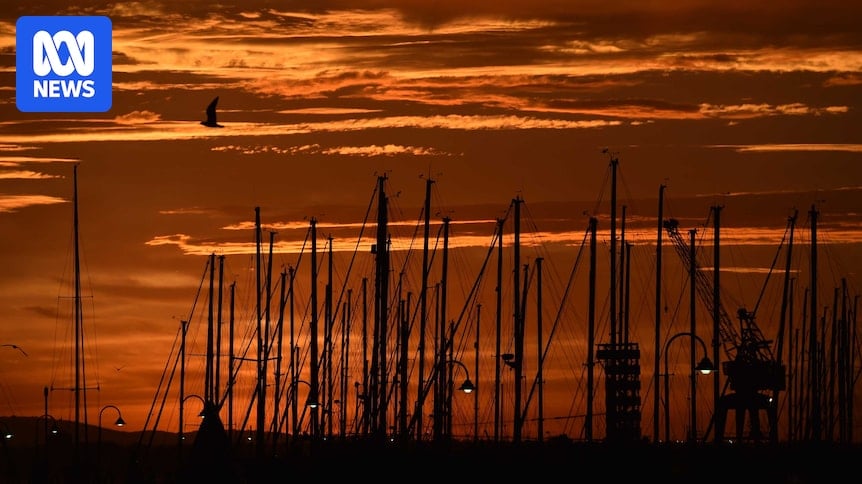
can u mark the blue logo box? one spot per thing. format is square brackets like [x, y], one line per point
[63, 64]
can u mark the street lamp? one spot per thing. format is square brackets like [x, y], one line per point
[705, 367]
[201, 414]
[309, 402]
[181, 435]
[119, 423]
[466, 386]
[54, 429]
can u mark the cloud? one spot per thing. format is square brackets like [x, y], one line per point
[25, 175]
[137, 117]
[13, 203]
[851, 148]
[739, 111]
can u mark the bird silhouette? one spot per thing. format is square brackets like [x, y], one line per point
[211, 115]
[17, 348]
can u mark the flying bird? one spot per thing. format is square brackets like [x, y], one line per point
[211, 115]
[17, 348]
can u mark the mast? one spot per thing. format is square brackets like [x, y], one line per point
[345, 358]
[591, 335]
[208, 387]
[79, 330]
[267, 344]
[329, 322]
[692, 300]
[519, 324]
[716, 309]
[315, 431]
[657, 350]
[540, 430]
[497, 355]
[217, 385]
[366, 400]
[231, 359]
[813, 346]
[378, 371]
[613, 263]
[423, 310]
[276, 416]
[783, 321]
[444, 342]
[261, 377]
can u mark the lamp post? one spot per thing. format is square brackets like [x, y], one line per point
[466, 386]
[705, 367]
[54, 430]
[309, 402]
[119, 423]
[181, 433]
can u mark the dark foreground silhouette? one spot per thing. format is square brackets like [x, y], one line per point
[211, 459]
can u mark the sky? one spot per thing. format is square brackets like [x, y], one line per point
[753, 107]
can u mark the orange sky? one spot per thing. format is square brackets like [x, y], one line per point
[755, 108]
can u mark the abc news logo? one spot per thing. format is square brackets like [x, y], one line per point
[63, 64]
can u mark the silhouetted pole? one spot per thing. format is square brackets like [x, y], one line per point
[79, 330]
[497, 355]
[267, 345]
[218, 343]
[813, 345]
[692, 275]
[261, 377]
[540, 350]
[210, 355]
[613, 263]
[716, 311]
[345, 359]
[404, 339]
[45, 397]
[315, 390]
[276, 405]
[294, 404]
[476, 373]
[623, 330]
[591, 335]
[667, 377]
[231, 360]
[379, 372]
[854, 354]
[294, 374]
[627, 302]
[366, 404]
[786, 300]
[183, 330]
[519, 324]
[443, 341]
[329, 322]
[423, 311]
[658, 293]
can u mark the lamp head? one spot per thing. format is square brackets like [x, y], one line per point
[705, 366]
[467, 386]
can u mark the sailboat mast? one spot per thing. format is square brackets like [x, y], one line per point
[423, 310]
[79, 333]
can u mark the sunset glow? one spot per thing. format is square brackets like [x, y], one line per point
[753, 107]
